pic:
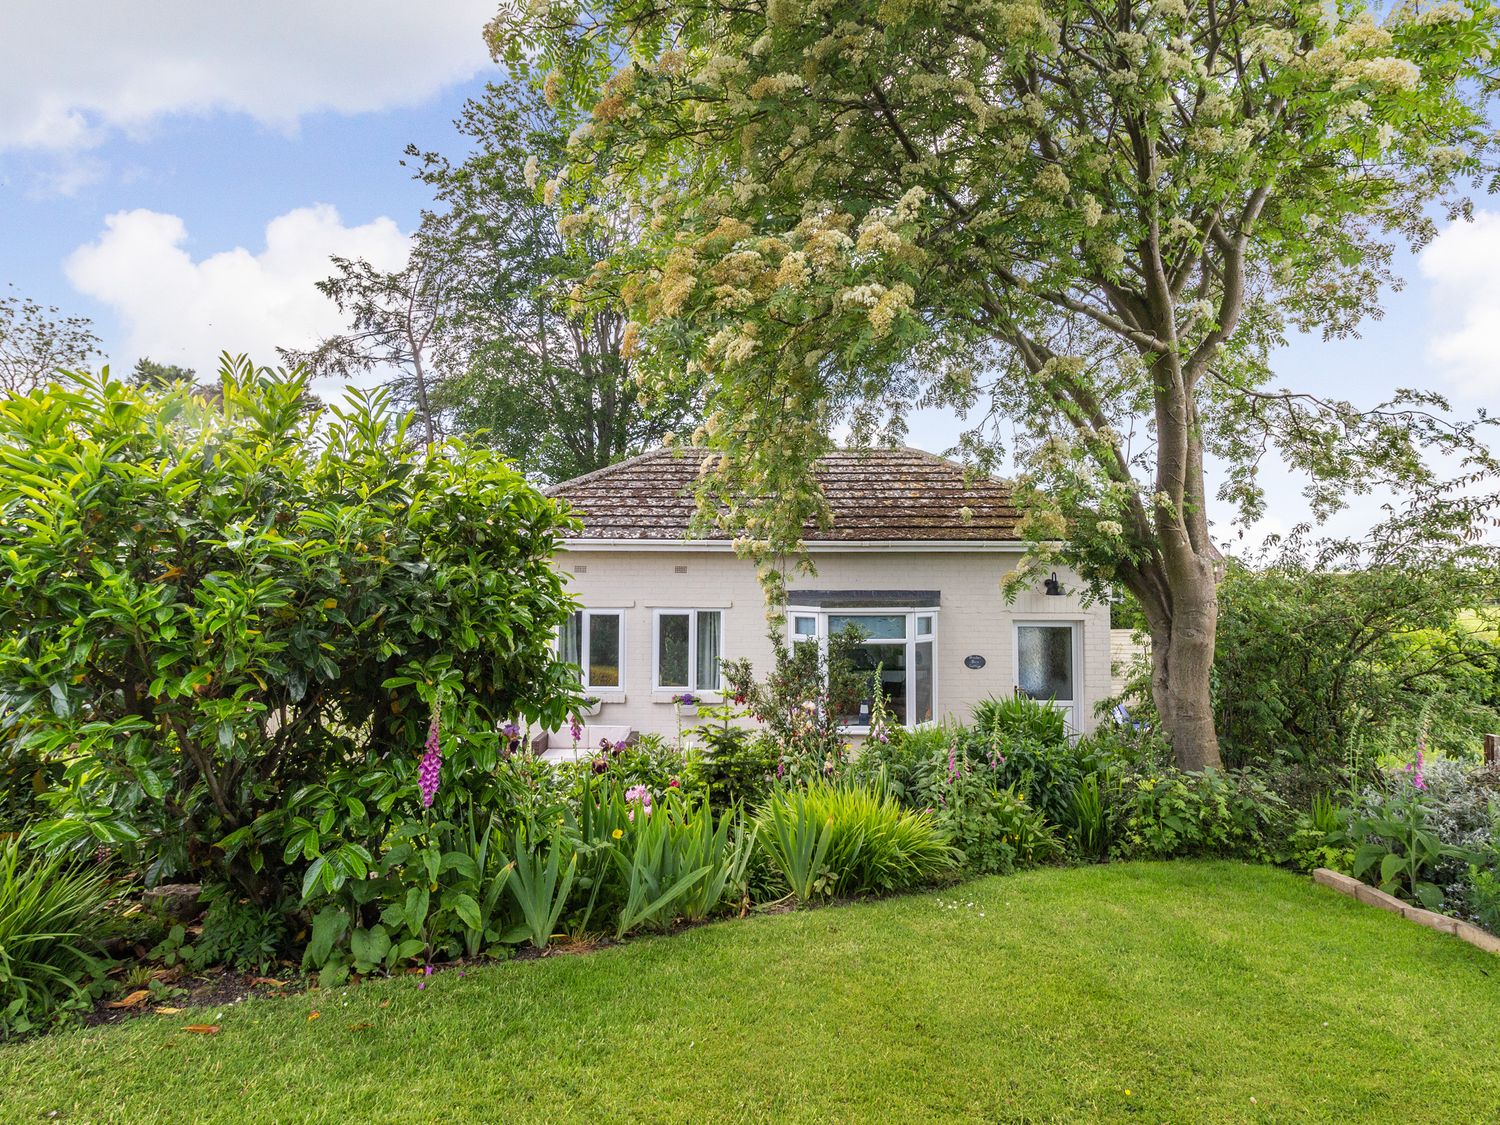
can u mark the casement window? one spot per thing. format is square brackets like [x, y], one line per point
[899, 642]
[594, 639]
[1047, 664]
[689, 649]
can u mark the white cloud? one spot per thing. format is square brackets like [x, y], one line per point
[1461, 267]
[178, 310]
[71, 74]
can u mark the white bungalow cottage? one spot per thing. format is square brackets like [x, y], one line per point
[914, 557]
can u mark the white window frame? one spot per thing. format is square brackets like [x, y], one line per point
[911, 613]
[612, 690]
[692, 616]
[1073, 709]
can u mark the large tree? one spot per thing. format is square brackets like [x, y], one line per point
[37, 343]
[1092, 219]
[394, 321]
[530, 362]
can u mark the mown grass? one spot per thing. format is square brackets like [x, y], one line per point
[1177, 992]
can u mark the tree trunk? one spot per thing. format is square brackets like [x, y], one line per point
[1182, 656]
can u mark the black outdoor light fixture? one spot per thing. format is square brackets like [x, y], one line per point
[1053, 586]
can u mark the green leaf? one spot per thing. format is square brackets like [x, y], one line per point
[468, 910]
[416, 908]
[310, 880]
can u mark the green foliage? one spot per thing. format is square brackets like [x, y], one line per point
[992, 804]
[1019, 718]
[830, 839]
[1483, 897]
[650, 761]
[1216, 813]
[234, 933]
[658, 870]
[736, 765]
[24, 781]
[801, 700]
[1092, 817]
[51, 915]
[791, 831]
[227, 622]
[521, 367]
[1320, 837]
[545, 868]
[722, 848]
[1047, 773]
[1357, 651]
[1398, 849]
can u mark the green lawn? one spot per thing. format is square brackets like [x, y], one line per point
[1136, 992]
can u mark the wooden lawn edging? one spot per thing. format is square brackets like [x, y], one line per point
[1374, 896]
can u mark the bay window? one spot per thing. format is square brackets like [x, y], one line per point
[896, 651]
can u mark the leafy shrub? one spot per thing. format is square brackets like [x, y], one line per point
[830, 839]
[1320, 837]
[1461, 803]
[963, 781]
[1482, 897]
[734, 764]
[800, 702]
[1046, 773]
[650, 761]
[1209, 813]
[1399, 850]
[1323, 658]
[24, 780]
[235, 933]
[1019, 718]
[207, 608]
[51, 915]
[1126, 744]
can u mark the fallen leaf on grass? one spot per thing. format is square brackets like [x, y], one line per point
[170, 1011]
[386, 1003]
[359, 1026]
[314, 1016]
[268, 981]
[138, 997]
[202, 1028]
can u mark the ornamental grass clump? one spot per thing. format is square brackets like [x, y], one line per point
[830, 839]
[50, 917]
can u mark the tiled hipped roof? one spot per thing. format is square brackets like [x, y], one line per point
[883, 494]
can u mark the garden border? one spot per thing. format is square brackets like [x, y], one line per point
[1374, 896]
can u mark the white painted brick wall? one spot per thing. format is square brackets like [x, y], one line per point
[974, 618]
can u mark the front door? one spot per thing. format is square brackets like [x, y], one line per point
[1047, 665]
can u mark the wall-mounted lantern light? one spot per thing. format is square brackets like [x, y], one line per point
[1053, 586]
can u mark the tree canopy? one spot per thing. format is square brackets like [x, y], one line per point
[1095, 220]
[37, 342]
[533, 362]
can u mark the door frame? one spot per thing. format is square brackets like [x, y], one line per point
[1072, 709]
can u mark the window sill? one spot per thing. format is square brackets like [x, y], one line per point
[671, 695]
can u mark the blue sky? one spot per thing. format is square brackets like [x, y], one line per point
[180, 172]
